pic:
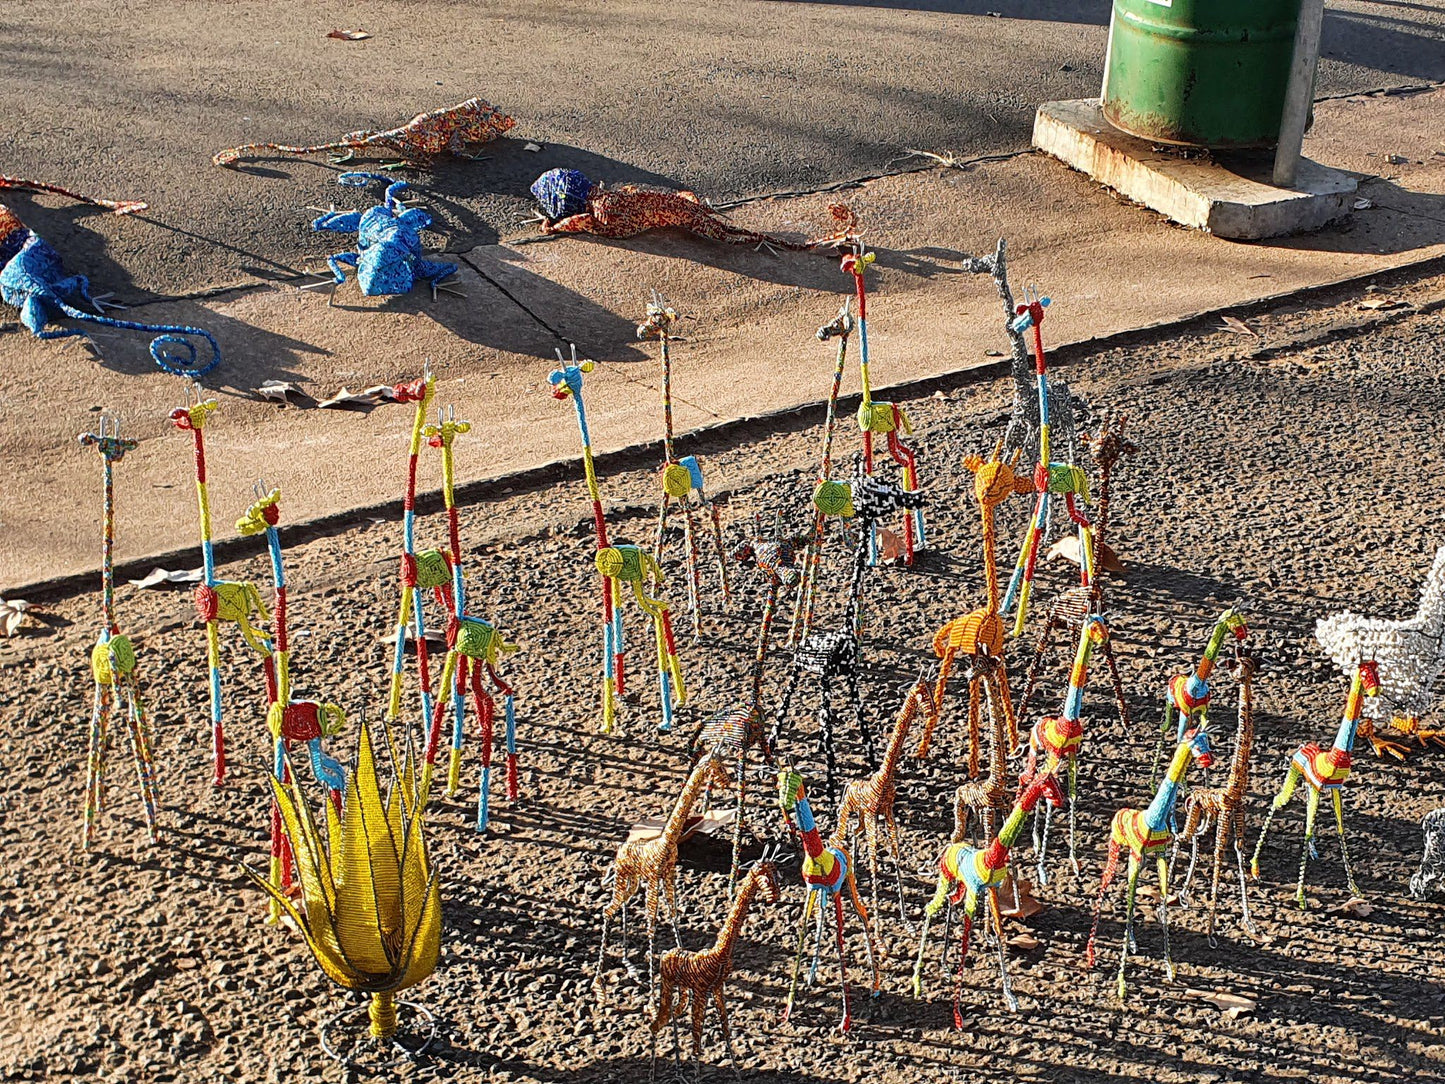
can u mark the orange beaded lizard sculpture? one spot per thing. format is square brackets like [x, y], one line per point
[982, 631]
[651, 864]
[871, 800]
[700, 976]
[418, 142]
[1068, 611]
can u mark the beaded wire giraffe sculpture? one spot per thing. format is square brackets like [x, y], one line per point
[113, 661]
[700, 976]
[651, 865]
[986, 798]
[618, 565]
[1223, 807]
[681, 478]
[981, 632]
[1058, 739]
[883, 419]
[1147, 832]
[305, 721]
[827, 873]
[835, 656]
[419, 572]
[733, 731]
[231, 601]
[1323, 770]
[1187, 696]
[469, 640]
[1050, 478]
[871, 800]
[840, 327]
[1074, 604]
[965, 873]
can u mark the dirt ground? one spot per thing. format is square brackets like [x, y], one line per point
[1291, 473]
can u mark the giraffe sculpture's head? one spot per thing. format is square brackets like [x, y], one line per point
[995, 480]
[1108, 445]
[1197, 738]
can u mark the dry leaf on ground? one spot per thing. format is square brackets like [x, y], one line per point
[279, 390]
[349, 35]
[158, 576]
[1233, 1005]
[1236, 325]
[12, 615]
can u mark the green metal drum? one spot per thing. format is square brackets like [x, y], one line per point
[1208, 73]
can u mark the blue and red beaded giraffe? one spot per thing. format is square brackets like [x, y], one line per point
[1149, 832]
[965, 873]
[1324, 770]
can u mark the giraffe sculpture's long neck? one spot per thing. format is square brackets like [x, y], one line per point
[1350, 722]
[107, 565]
[1101, 506]
[998, 739]
[589, 470]
[666, 398]
[825, 470]
[280, 637]
[728, 935]
[1079, 675]
[801, 818]
[203, 502]
[894, 752]
[990, 555]
[682, 808]
[1026, 803]
[1157, 815]
[454, 529]
[1199, 681]
[1243, 741]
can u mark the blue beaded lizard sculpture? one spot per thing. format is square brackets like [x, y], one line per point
[33, 279]
[388, 257]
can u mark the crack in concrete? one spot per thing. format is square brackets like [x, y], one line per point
[548, 328]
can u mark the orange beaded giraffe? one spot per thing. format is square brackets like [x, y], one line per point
[982, 631]
[651, 864]
[701, 975]
[871, 799]
[1223, 807]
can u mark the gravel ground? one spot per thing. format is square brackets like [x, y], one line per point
[1291, 479]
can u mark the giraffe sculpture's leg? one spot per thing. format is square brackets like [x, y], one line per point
[659, 537]
[1291, 780]
[1129, 899]
[671, 887]
[860, 717]
[895, 845]
[1163, 867]
[1119, 699]
[1312, 808]
[487, 716]
[652, 901]
[218, 735]
[1111, 867]
[1339, 804]
[871, 831]
[817, 939]
[940, 688]
[1243, 888]
[694, 568]
[868, 947]
[742, 786]
[825, 732]
[140, 745]
[1073, 808]
[459, 713]
[933, 907]
[1036, 664]
[842, 959]
[975, 724]
[1005, 703]
[1193, 829]
[1165, 726]
[722, 563]
[803, 917]
[1042, 817]
[722, 1022]
[660, 1020]
[969, 907]
[1222, 822]
[699, 1009]
[1004, 984]
[784, 704]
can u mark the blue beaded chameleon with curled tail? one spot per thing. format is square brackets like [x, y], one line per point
[388, 257]
[33, 279]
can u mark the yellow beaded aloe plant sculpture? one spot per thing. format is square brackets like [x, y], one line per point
[371, 908]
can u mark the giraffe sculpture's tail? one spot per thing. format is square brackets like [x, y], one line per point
[120, 207]
[232, 155]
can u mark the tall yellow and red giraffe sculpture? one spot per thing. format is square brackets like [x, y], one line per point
[1050, 479]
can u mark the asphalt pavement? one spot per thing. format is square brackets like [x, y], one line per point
[731, 99]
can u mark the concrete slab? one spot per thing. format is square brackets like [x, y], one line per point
[1227, 195]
